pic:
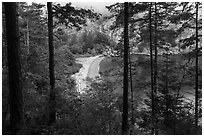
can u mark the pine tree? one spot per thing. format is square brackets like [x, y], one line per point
[190, 22]
[73, 17]
[33, 30]
[52, 109]
[152, 69]
[196, 74]
[131, 92]
[14, 68]
[155, 64]
[125, 75]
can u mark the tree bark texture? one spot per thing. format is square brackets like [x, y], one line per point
[155, 67]
[152, 70]
[131, 91]
[52, 111]
[14, 67]
[196, 74]
[125, 76]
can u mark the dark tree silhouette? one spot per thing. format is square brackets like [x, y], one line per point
[14, 67]
[196, 74]
[152, 71]
[131, 91]
[155, 64]
[125, 76]
[52, 111]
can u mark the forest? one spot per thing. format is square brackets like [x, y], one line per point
[70, 70]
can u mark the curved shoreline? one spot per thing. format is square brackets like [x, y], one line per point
[84, 71]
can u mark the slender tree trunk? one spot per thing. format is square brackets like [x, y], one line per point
[196, 74]
[14, 67]
[166, 116]
[132, 94]
[28, 46]
[110, 122]
[155, 51]
[152, 71]
[177, 97]
[28, 40]
[125, 77]
[155, 67]
[52, 111]
[109, 113]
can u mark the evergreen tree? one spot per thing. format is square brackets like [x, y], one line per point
[52, 109]
[14, 68]
[131, 92]
[152, 73]
[33, 30]
[196, 74]
[166, 31]
[125, 77]
[189, 18]
[72, 17]
[159, 42]
[155, 63]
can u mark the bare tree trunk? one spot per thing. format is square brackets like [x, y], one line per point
[155, 68]
[152, 71]
[196, 74]
[28, 40]
[166, 116]
[132, 94]
[14, 67]
[125, 76]
[177, 97]
[52, 111]
[27, 45]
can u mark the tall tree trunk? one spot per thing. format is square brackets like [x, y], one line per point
[52, 111]
[176, 101]
[196, 74]
[14, 67]
[152, 70]
[125, 76]
[27, 45]
[166, 114]
[28, 40]
[155, 66]
[131, 91]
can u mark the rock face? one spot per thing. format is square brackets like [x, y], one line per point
[90, 68]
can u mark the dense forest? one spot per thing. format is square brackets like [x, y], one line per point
[144, 74]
